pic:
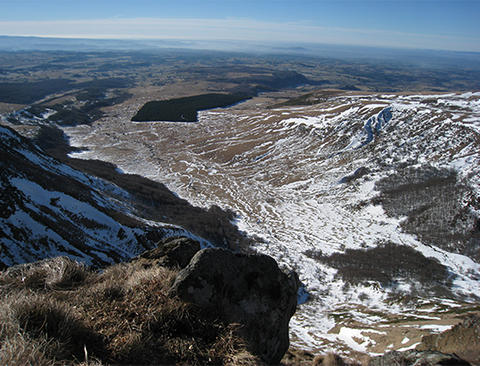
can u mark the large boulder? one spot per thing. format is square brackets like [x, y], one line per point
[170, 252]
[249, 290]
[414, 358]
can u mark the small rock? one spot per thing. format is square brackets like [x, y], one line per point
[171, 252]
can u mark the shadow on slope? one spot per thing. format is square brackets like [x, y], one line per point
[152, 200]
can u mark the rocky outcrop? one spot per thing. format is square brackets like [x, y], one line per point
[249, 290]
[463, 340]
[170, 252]
[357, 174]
[413, 357]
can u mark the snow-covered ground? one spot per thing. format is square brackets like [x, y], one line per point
[40, 217]
[280, 170]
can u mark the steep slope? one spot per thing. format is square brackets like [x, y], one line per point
[49, 209]
[361, 194]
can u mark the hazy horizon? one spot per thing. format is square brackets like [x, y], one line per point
[435, 25]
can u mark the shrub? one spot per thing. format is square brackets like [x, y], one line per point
[389, 263]
[438, 205]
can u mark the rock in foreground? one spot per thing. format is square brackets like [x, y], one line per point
[249, 290]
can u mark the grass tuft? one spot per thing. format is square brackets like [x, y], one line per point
[58, 273]
[41, 317]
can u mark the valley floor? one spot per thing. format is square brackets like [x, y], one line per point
[289, 173]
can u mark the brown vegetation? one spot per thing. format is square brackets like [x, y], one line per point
[332, 359]
[392, 264]
[57, 311]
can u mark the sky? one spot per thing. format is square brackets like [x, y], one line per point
[421, 24]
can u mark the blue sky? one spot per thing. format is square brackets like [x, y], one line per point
[430, 24]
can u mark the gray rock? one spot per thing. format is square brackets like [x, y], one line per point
[171, 252]
[360, 172]
[249, 290]
[417, 358]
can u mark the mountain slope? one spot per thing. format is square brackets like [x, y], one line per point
[49, 209]
[382, 182]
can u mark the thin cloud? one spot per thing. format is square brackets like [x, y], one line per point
[231, 29]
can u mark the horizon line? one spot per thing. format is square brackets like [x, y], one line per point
[235, 29]
[224, 40]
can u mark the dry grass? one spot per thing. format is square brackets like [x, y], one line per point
[59, 312]
[21, 350]
[45, 328]
[232, 349]
[16, 347]
[297, 357]
[50, 274]
[44, 318]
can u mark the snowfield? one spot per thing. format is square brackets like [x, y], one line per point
[281, 170]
